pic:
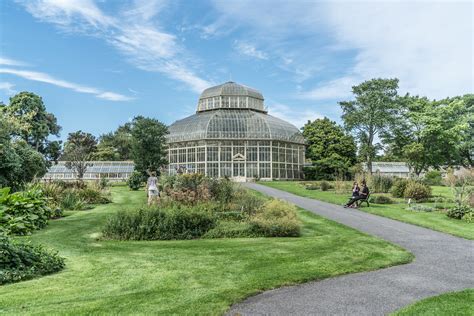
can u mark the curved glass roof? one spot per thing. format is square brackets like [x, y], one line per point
[97, 167]
[230, 95]
[233, 124]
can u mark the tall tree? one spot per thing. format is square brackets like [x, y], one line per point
[373, 111]
[115, 145]
[78, 150]
[36, 124]
[148, 144]
[330, 149]
[430, 134]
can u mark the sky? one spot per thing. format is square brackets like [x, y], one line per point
[97, 64]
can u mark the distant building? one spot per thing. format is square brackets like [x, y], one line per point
[231, 135]
[110, 170]
[391, 169]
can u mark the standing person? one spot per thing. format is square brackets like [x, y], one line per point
[363, 195]
[152, 188]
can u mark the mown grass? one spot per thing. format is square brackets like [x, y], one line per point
[456, 303]
[435, 220]
[183, 277]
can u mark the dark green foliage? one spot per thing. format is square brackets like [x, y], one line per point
[93, 194]
[23, 212]
[433, 177]
[459, 211]
[148, 144]
[231, 229]
[381, 199]
[330, 149]
[135, 181]
[381, 184]
[417, 191]
[324, 185]
[115, 145]
[372, 112]
[178, 222]
[19, 261]
[398, 188]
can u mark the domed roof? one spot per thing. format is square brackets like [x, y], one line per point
[233, 124]
[230, 95]
[230, 88]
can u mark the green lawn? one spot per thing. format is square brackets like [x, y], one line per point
[183, 277]
[433, 220]
[457, 303]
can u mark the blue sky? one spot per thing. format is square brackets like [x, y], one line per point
[99, 63]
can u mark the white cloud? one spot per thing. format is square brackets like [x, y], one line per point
[295, 115]
[11, 62]
[427, 45]
[250, 50]
[333, 89]
[7, 87]
[42, 77]
[132, 32]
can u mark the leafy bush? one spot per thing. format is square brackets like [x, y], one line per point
[103, 183]
[324, 185]
[417, 191]
[276, 218]
[24, 261]
[468, 217]
[398, 188]
[382, 199]
[135, 181]
[433, 177]
[23, 212]
[459, 211]
[245, 202]
[155, 223]
[381, 184]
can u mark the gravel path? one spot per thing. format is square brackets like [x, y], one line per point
[443, 263]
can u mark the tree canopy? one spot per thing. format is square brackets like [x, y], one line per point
[78, 150]
[148, 144]
[330, 149]
[373, 111]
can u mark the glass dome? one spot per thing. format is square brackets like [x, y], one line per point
[231, 135]
[230, 95]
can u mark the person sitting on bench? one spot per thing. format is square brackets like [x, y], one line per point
[362, 195]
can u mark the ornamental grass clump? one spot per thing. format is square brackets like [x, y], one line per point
[381, 184]
[276, 218]
[417, 191]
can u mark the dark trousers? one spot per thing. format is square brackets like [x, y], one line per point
[355, 199]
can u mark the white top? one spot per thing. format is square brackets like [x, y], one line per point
[152, 183]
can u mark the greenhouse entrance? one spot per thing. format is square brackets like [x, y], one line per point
[239, 170]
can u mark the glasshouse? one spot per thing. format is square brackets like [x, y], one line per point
[110, 170]
[231, 135]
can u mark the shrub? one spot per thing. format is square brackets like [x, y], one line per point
[103, 183]
[246, 202]
[433, 177]
[459, 211]
[71, 200]
[417, 191]
[230, 229]
[381, 184]
[135, 181]
[156, 223]
[468, 217]
[382, 199]
[311, 186]
[324, 185]
[398, 188]
[276, 218]
[20, 261]
[93, 194]
[23, 212]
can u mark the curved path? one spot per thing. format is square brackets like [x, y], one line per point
[442, 263]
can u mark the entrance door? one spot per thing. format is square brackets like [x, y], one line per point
[239, 169]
